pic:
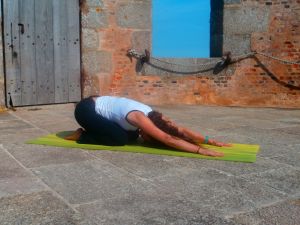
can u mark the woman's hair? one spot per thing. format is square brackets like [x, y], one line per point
[164, 125]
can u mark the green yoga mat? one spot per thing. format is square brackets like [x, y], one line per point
[237, 152]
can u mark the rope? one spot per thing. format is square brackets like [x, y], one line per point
[185, 65]
[135, 54]
[204, 67]
[283, 61]
[172, 67]
[215, 66]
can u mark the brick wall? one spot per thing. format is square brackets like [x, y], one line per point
[263, 81]
[272, 27]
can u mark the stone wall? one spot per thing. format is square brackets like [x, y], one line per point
[273, 27]
[112, 27]
[109, 29]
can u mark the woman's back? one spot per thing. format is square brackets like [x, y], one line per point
[116, 109]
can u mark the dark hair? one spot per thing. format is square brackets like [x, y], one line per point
[164, 125]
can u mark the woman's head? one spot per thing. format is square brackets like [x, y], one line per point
[164, 124]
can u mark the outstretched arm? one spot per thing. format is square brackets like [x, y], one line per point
[198, 138]
[146, 125]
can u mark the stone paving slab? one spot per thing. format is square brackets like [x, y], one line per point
[21, 136]
[54, 127]
[232, 137]
[55, 124]
[6, 116]
[231, 168]
[150, 166]
[35, 155]
[17, 186]
[9, 168]
[148, 209]
[52, 185]
[263, 136]
[12, 126]
[37, 208]
[224, 195]
[290, 116]
[90, 180]
[143, 165]
[295, 130]
[272, 150]
[290, 159]
[253, 122]
[291, 120]
[286, 212]
[285, 179]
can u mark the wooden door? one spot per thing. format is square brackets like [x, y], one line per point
[42, 51]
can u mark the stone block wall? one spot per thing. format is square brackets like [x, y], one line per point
[111, 27]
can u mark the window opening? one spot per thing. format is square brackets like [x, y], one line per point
[181, 29]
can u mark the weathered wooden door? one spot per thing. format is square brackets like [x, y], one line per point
[42, 51]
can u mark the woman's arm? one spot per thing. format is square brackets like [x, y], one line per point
[192, 136]
[198, 138]
[145, 124]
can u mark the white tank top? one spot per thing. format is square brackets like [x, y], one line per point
[116, 109]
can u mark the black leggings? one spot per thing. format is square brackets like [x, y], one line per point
[99, 130]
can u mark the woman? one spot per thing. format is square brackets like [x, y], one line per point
[110, 120]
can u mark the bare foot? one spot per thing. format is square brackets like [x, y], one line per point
[75, 135]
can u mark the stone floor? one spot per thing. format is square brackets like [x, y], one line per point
[51, 185]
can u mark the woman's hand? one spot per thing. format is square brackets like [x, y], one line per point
[208, 152]
[218, 143]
